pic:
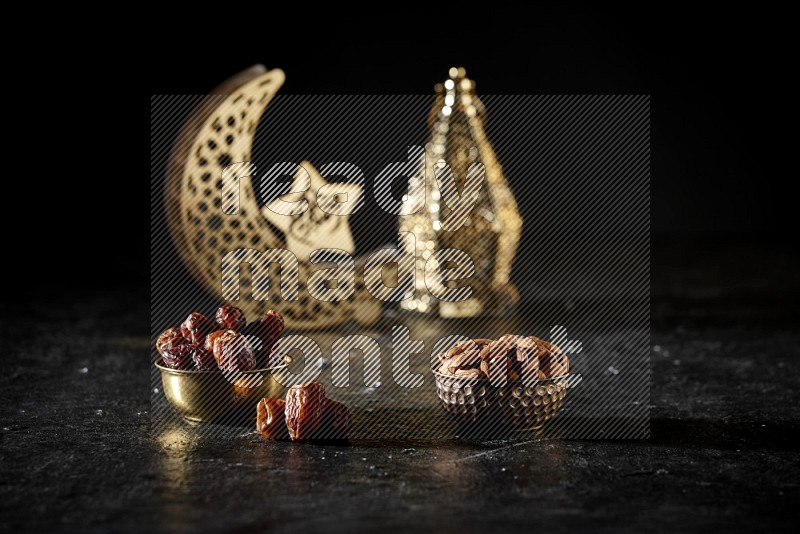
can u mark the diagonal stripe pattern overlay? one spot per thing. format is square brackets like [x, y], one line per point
[579, 167]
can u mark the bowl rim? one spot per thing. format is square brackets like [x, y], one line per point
[189, 372]
[437, 374]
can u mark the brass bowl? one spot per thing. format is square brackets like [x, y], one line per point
[207, 396]
[514, 405]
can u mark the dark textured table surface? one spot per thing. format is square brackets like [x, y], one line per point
[77, 453]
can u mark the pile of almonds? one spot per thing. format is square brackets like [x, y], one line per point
[510, 358]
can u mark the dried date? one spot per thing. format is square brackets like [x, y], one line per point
[212, 338]
[271, 418]
[304, 410]
[233, 352]
[196, 327]
[267, 329]
[231, 318]
[203, 359]
[175, 350]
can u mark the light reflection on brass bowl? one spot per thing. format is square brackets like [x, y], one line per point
[207, 396]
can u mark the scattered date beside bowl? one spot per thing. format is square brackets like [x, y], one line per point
[306, 415]
[304, 405]
[271, 418]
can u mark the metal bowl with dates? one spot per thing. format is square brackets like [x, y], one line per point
[213, 396]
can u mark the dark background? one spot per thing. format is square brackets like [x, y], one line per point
[717, 80]
[76, 449]
[714, 77]
[710, 76]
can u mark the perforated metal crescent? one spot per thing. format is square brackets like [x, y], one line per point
[218, 133]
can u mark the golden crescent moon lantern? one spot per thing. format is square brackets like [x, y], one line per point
[219, 133]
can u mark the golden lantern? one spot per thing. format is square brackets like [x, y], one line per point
[491, 230]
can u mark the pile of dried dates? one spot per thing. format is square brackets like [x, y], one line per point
[229, 345]
[305, 415]
[510, 357]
